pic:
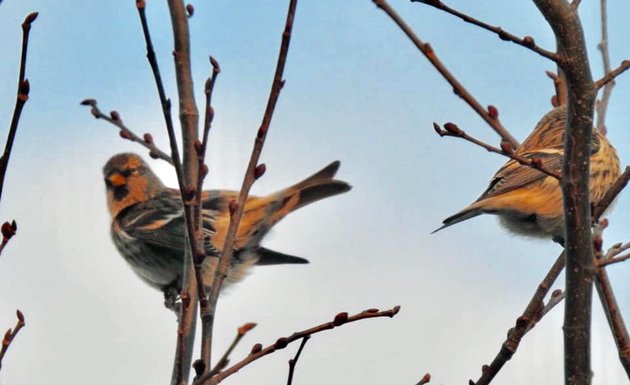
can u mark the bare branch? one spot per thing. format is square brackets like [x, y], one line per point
[9, 336]
[451, 129]
[611, 194]
[254, 170]
[610, 76]
[258, 351]
[294, 360]
[458, 88]
[601, 105]
[531, 314]
[125, 133]
[204, 304]
[527, 42]
[22, 96]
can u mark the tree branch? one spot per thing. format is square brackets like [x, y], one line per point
[254, 171]
[9, 336]
[527, 42]
[451, 129]
[22, 96]
[258, 351]
[125, 133]
[294, 360]
[530, 315]
[573, 61]
[458, 88]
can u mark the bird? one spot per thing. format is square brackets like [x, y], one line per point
[148, 223]
[528, 201]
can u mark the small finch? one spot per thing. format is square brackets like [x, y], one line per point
[528, 201]
[148, 224]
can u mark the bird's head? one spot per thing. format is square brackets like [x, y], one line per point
[128, 180]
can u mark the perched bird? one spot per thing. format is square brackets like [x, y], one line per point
[528, 201]
[148, 224]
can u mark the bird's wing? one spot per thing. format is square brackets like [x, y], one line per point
[160, 222]
[514, 175]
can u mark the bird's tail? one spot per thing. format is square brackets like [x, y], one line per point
[261, 213]
[467, 213]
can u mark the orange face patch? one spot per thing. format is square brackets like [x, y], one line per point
[117, 180]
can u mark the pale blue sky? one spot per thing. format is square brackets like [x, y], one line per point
[356, 90]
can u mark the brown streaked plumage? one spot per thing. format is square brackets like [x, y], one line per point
[148, 223]
[529, 202]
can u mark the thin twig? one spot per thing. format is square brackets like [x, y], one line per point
[294, 360]
[458, 88]
[625, 64]
[451, 129]
[22, 96]
[254, 171]
[527, 42]
[601, 105]
[204, 305]
[225, 359]
[610, 261]
[185, 177]
[10, 335]
[531, 313]
[556, 297]
[258, 351]
[125, 132]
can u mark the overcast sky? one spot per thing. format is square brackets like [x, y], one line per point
[356, 90]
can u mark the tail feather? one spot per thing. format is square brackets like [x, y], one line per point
[318, 186]
[271, 257]
[456, 218]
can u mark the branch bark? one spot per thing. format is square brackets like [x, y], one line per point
[573, 60]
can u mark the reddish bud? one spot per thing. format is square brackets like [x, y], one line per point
[281, 343]
[502, 34]
[198, 147]
[437, 129]
[425, 379]
[215, 65]
[190, 10]
[506, 147]
[148, 138]
[556, 293]
[20, 316]
[232, 206]
[154, 154]
[427, 49]
[256, 349]
[31, 18]
[245, 328]
[115, 116]
[485, 368]
[125, 135]
[203, 171]
[452, 128]
[199, 367]
[396, 310]
[493, 112]
[24, 89]
[554, 101]
[260, 171]
[603, 223]
[88, 102]
[529, 42]
[340, 319]
[8, 230]
[140, 4]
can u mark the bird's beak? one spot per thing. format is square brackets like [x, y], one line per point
[116, 180]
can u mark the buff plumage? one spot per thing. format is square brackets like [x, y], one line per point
[148, 225]
[528, 201]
